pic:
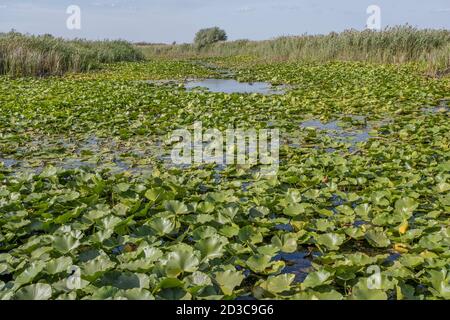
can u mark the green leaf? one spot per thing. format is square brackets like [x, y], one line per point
[228, 280]
[204, 232]
[405, 207]
[377, 238]
[442, 187]
[411, 261]
[167, 283]
[368, 294]
[48, 172]
[259, 211]
[361, 292]
[250, 234]
[61, 264]
[30, 272]
[229, 231]
[65, 243]
[176, 207]
[198, 280]
[263, 264]
[121, 209]
[294, 210]
[315, 279]
[38, 291]
[104, 293]
[159, 194]
[135, 294]
[363, 210]
[287, 243]
[440, 280]
[219, 196]
[205, 207]
[332, 241]
[123, 187]
[94, 268]
[278, 284]
[180, 261]
[162, 226]
[126, 280]
[210, 248]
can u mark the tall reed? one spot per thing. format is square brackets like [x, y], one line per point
[24, 55]
[393, 45]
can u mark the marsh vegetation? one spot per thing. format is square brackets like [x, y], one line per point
[92, 208]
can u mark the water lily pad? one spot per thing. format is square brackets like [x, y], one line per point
[180, 261]
[377, 238]
[176, 207]
[228, 281]
[263, 264]
[61, 264]
[278, 284]
[38, 291]
[210, 248]
[405, 207]
[315, 279]
[250, 234]
[332, 241]
[286, 243]
[65, 244]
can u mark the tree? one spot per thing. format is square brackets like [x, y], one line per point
[209, 36]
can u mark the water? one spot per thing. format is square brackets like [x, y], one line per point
[296, 263]
[317, 124]
[436, 110]
[443, 107]
[8, 163]
[356, 137]
[225, 84]
[333, 129]
[232, 86]
[284, 227]
[72, 164]
[392, 258]
[89, 153]
[444, 102]
[359, 223]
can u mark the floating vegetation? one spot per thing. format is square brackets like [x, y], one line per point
[91, 207]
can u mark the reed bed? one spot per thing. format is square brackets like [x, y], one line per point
[401, 44]
[25, 55]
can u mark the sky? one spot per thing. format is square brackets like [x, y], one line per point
[165, 21]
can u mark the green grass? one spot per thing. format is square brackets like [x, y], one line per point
[23, 55]
[393, 45]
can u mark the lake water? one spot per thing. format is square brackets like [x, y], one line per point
[333, 129]
[233, 86]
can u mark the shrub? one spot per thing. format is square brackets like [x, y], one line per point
[209, 36]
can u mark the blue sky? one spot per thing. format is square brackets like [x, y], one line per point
[178, 20]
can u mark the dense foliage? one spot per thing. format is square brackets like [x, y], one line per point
[392, 45]
[209, 36]
[23, 55]
[86, 188]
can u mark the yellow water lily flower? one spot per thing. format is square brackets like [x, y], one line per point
[401, 248]
[403, 227]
